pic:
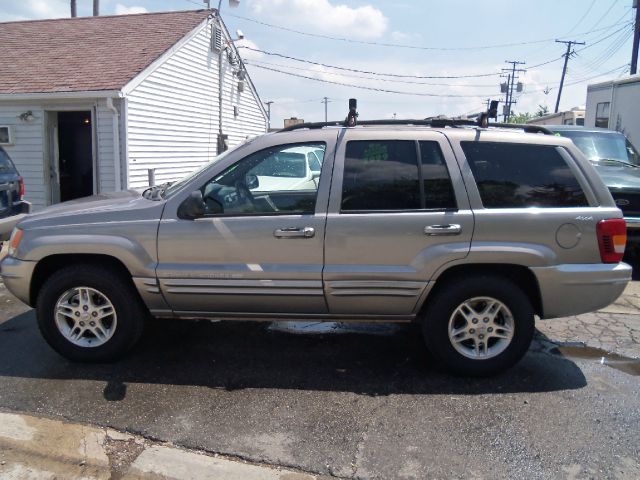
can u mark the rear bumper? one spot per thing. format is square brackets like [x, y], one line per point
[18, 212]
[16, 275]
[573, 289]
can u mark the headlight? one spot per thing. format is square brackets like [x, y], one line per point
[14, 242]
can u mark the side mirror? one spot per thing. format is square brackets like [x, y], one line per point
[315, 174]
[192, 206]
[251, 181]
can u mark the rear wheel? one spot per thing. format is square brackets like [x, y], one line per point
[89, 314]
[479, 326]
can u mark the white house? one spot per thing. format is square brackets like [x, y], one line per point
[616, 105]
[89, 105]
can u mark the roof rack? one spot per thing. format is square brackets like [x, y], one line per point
[434, 123]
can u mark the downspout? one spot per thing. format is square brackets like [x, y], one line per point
[116, 143]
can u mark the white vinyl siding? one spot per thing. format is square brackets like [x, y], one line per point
[27, 152]
[172, 115]
[104, 150]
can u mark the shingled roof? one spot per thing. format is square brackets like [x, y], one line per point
[87, 53]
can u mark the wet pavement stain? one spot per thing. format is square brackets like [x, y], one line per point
[627, 365]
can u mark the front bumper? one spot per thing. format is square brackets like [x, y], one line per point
[572, 289]
[16, 275]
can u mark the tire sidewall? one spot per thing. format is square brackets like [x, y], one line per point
[129, 318]
[436, 324]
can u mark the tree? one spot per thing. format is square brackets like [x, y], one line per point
[542, 111]
[520, 118]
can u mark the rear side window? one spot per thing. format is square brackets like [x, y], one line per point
[389, 175]
[522, 175]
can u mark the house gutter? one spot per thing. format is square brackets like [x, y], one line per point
[61, 95]
[116, 143]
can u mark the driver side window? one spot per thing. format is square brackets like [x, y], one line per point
[277, 180]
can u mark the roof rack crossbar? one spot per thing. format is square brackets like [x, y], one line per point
[434, 123]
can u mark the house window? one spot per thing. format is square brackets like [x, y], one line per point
[6, 135]
[602, 115]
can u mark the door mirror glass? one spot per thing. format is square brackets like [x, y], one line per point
[192, 207]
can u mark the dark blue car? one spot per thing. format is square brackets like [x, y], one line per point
[618, 163]
[12, 205]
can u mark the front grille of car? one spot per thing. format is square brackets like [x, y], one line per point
[628, 202]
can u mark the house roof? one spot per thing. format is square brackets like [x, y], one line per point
[87, 53]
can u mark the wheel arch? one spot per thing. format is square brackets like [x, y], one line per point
[520, 275]
[52, 263]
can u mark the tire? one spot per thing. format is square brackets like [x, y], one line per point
[79, 291]
[471, 341]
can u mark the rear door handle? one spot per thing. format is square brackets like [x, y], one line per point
[305, 232]
[449, 229]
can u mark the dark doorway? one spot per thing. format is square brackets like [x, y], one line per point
[75, 155]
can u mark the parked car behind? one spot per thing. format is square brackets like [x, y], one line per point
[13, 207]
[469, 232]
[618, 163]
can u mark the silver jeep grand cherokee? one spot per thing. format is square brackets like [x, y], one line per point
[468, 231]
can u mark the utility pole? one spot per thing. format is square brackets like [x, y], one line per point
[636, 40]
[512, 79]
[96, 8]
[569, 44]
[268, 104]
[74, 10]
[325, 100]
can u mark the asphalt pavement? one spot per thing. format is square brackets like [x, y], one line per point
[353, 405]
[351, 401]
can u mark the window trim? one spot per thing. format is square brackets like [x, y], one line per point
[10, 135]
[269, 214]
[423, 200]
[608, 117]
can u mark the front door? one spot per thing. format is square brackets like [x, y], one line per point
[398, 212]
[258, 250]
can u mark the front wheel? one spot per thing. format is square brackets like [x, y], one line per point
[479, 326]
[89, 314]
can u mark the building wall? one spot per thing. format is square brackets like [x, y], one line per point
[624, 114]
[172, 115]
[30, 151]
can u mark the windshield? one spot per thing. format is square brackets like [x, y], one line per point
[174, 187]
[604, 146]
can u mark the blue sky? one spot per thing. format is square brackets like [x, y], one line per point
[448, 38]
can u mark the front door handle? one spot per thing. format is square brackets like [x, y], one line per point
[306, 232]
[449, 229]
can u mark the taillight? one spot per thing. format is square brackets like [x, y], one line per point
[21, 187]
[612, 238]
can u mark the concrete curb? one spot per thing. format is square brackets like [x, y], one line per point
[33, 447]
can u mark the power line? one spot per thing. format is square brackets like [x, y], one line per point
[401, 45]
[362, 87]
[391, 80]
[395, 75]
[593, 2]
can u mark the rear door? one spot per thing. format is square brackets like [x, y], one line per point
[398, 211]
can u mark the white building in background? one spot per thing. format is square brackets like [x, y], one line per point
[575, 116]
[88, 105]
[616, 105]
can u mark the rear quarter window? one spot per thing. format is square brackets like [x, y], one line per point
[522, 175]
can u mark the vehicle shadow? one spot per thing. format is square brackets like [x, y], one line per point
[234, 356]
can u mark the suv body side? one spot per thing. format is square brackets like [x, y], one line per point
[354, 265]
